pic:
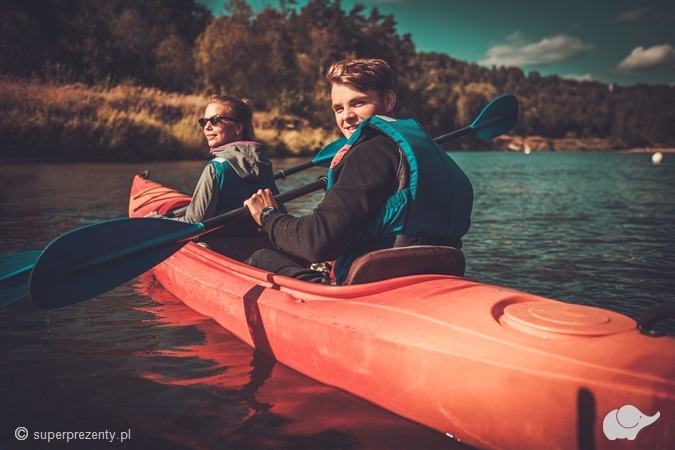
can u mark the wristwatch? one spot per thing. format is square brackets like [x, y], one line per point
[266, 212]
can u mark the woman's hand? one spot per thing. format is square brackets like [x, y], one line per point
[259, 201]
[153, 215]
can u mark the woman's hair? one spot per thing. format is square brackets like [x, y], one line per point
[241, 111]
[363, 74]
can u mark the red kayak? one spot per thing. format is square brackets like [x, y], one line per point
[489, 366]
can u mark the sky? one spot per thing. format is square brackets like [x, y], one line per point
[612, 41]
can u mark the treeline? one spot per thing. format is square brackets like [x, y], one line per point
[277, 57]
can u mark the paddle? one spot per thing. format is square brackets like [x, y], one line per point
[497, 118]
[14, 274]
[94, 259]
[88, 261]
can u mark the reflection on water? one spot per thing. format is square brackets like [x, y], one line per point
[275, 406]
[594, 228]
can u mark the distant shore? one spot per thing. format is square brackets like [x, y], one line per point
[541, 143]
[649, 150]
[77, 123]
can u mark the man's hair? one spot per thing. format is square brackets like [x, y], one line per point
[239, 110]
[363, 74]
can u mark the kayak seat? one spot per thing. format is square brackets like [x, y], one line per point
[402, 261]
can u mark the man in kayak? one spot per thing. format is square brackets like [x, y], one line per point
[390, 186]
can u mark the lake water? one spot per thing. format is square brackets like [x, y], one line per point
[588, 228]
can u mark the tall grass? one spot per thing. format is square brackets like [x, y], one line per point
[74, 122]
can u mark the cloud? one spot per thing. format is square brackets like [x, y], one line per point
[658, 57]
[575, 77]
[550, 50]
[645, 15]
[630, 16]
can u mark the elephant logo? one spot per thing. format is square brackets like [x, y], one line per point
[626, 422]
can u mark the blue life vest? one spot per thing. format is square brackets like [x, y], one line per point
[437, 200]
[233, 190]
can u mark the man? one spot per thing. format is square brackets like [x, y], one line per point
[391, 185]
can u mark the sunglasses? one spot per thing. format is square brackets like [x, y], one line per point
[215, 120]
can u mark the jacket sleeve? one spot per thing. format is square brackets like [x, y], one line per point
[205, 198]
[366, 177]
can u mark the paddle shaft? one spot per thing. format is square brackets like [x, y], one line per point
[282, 174]
[453, 135]
[242, 213]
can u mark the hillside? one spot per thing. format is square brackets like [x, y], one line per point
[176, 54]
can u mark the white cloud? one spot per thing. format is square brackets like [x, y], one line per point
[584, 77]
[657, 57]
[645, 15]
[629, 16]
[550, 50]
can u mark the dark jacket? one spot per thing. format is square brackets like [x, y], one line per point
[365, 178]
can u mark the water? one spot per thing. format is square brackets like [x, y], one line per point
[589, 228]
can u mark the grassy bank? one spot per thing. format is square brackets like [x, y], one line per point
[74, 122]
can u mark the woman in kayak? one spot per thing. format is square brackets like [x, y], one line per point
[237, 170]
[390, 186]
[239, 166]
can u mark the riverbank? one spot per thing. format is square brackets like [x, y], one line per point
[74, 122]
[540, 143]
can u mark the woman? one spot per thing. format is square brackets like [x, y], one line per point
[239, 168]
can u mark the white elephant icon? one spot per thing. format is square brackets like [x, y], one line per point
[626, 422]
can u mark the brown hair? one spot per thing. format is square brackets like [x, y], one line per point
[363, 74]
[241, 111]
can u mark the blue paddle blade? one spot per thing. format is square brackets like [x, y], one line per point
[326, 154]
[94, 259]
[497, 118]
[14, 274]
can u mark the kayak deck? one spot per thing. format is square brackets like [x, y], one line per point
[491, 366]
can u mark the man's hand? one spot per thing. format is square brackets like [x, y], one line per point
[259, 201]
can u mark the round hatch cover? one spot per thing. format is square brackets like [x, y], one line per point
[567, 319]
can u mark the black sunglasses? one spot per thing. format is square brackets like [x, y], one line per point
[215, 120]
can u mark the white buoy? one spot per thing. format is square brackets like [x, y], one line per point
[657, 158]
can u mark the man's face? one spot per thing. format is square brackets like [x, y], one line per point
[351, 107]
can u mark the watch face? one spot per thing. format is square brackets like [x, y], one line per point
[266, 212]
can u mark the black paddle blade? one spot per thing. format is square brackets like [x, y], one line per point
[94, 259]
[14, 274]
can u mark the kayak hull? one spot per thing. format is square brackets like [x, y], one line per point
[489, 366]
